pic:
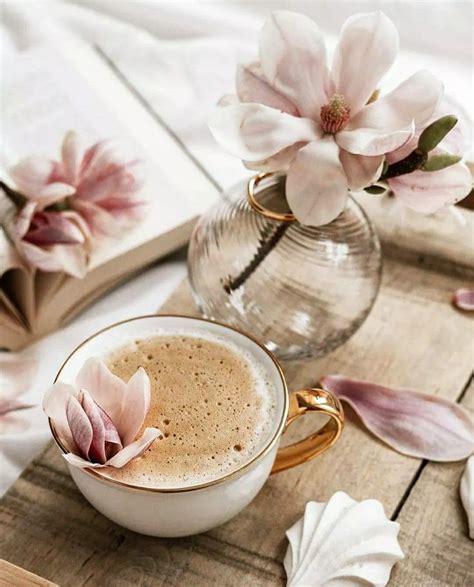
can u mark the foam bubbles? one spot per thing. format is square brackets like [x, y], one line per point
[213, 402]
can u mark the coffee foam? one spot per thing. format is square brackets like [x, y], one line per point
[213, 402]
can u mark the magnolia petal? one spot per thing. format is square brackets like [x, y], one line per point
[121, 181]
[137, 406]
[52, 193]
[31, 174]
[278, 162]
[98, 220]
[228, 99]
[254, 132]
[102, 158]
[69, 259]
[54, 405]
[79, 425]
[10, 421]
[135, 449]
[464, 299]
[106, 389]
[13, 423]
[16, 373]
[416, 99]
[360, 171]
[71, 154]
[458, 141]
[428, 192]
[371, 141]
[316, 185]
[402, 151]
[54, 228]
[81, 463]
[415, 424]
[293, 60]
[12, 405]
[96, 452]
[367, 48]
[253, 87]
[23, 220]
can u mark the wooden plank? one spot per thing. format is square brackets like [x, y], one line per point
[434, 531]
[13, 576]
[412, 338]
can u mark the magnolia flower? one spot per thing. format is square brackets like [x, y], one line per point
[415, 424]
[429, 191]
[100, 184]
[98, 419]
[15, 376]
[52, 241]
[294, 113]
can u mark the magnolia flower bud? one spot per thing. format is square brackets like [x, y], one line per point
[441, 161]
[435, 133]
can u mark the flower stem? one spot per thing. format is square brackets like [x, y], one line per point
[415, 160]
[264, 249]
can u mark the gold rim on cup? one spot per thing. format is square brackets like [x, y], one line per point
[294, 405]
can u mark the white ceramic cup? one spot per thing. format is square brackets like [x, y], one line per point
[182, 511]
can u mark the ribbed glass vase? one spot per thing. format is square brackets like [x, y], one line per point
[300, 290]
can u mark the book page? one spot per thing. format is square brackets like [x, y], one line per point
[47, 92]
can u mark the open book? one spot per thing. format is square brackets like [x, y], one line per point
[45, 93]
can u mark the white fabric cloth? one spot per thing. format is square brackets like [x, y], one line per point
[181, 56]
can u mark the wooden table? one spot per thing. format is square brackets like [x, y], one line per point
[413, 338]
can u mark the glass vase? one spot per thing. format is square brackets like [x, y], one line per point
[301, 290]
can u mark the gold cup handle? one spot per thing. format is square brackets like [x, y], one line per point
[311, 400]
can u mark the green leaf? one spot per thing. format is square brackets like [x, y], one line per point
[375, 189]
[437, 162]
[435, 133]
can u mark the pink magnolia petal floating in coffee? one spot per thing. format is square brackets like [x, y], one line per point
[80, 426]
[94, 414]
[106, 389]
[98, 419]
[132, 451]
[138, 404]
[55, 401]
[135, 449]
[464, 299]
[415, 424]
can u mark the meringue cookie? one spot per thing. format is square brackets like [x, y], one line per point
[341, 543]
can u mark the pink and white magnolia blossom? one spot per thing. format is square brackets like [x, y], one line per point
[293, 113]
[101, 183]
[98, 419]
[52, 241]
[430, 191]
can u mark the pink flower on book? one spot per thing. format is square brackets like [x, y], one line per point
[292, 113]
[98, 419]
[429, 191]
[100, 183]
[52, 241]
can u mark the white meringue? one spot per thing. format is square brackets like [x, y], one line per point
[342, 543]
[466, 490]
